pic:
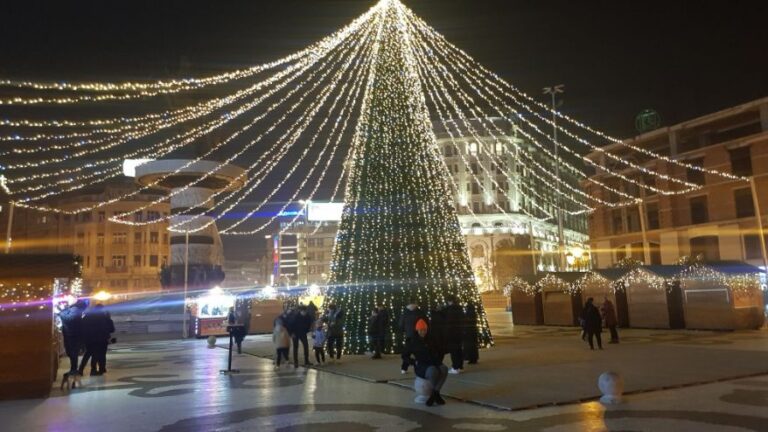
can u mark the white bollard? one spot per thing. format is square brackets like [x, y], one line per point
[611, 384]
[211, 341]
[423, 389]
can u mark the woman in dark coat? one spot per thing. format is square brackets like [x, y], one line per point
[593, 323]
[471, 353]
[428, 352]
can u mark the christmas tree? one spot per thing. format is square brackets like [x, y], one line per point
[399, 237]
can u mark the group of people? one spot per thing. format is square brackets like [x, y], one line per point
[88, 329]
[592, 320]
[294, 324]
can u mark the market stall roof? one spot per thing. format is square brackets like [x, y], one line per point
[734, 267]
[665, 271]
[569, 277]
[613, 273]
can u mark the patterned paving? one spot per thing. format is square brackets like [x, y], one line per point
[176, 386]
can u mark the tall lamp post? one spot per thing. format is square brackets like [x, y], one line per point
[554, 90]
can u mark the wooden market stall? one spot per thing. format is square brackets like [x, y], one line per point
[526, 300]
[562, 302]
[722, 296]
[654, 298]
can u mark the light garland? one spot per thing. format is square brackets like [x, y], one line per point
[518, 284]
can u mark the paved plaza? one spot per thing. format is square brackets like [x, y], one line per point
[535, 379]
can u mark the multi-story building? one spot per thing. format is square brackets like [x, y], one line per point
[508, 219]
[121, 259]
[717, 221]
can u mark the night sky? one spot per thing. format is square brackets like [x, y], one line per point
[680, 58]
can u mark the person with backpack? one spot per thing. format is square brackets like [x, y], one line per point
[335, 320]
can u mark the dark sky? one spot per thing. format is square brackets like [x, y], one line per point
[616, 58]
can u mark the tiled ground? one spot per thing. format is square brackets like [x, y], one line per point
[176, 385]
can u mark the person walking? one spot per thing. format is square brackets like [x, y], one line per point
[97, 327]
[593, 323]
[609, 317]
[335, 320]
[453, 334]
[281, 339]
[235, 318]
[299, 328]
[383, 325]
[428, 353]
[72, 332]
[470, 335]
[407, 324]
[318, 342]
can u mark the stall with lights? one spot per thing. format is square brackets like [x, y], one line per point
[209, 312]
[562, 300]
[525, 298]
[32, 287]
[654, 298]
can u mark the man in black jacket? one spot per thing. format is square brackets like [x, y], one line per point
[407, 325]
[298, 327]
[97, 328]
[71, 329]
[453, 331]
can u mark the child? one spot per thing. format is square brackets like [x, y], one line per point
[318, 343]
[282, 341]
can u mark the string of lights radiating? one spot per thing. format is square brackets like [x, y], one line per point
[132, 90]
[499, 81]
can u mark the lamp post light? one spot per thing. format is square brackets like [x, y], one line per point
[553, 91]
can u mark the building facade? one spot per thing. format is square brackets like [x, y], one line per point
[120, 259]
[509, 220]
[716, 222]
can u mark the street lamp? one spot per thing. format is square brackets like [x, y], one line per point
[554, 90]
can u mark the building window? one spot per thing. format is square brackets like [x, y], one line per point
[86, 217]
[165, 238]
[655, 250]
[752, 248]
[706, 247]
[80, 238]
[652, 215]
[87, 261]
[694, 175]
[153, 215]
[137, 238]
[448, 151]
[137, 260]
[499, 148]
[476, 207]
[741, 161]
[99, 239]
[650, 181]
[472, 148]
[102, 216]
[99, 261]
[154, 237]
[699, 209]
[742, 199]
[119, 238]
[617, 221]
[118, 260]
[474, 168]
[153, 262]
[475, 188]
[164, 262]
[633, 219]
[138, 216]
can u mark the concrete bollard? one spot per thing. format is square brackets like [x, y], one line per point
[423, 389]
[611, 385]
[211, 341]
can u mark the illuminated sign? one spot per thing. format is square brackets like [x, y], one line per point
[129, 166]
[321, 212]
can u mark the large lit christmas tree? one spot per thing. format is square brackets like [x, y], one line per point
[399, 237]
